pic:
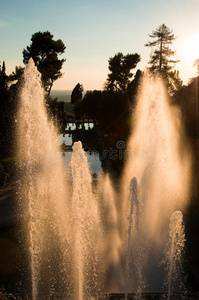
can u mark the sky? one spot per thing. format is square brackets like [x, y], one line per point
[95, 30]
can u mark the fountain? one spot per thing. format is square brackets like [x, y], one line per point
[43, 189]
[60, 225]
[76, 230]
[173, 260]
[159, 158]
[112, 233]
[134, 243]
[84, 228]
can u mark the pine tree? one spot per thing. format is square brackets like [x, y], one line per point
[160, 62]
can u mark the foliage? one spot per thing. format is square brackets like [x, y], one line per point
[77, 94]
[110, 109]
[56, 112]
[160, 62]
[7, 115]
[91, 103]
[16, 74]
[133, 87]
[120, 67]
[3, 77]
[160, 57]
[187, 97]
[44, 51]
[173, 82]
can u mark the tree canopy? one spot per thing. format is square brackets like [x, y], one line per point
[120, 67]
[7, 115]
[77, 94]
[15, 75]
[160, 62]
[44, 50]
[160, 57]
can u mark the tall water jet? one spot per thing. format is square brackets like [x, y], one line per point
[84, 228]
[159, 158]
[135, 245]
[173, 260]
[43, 191]
[70, 228]
[111, 242]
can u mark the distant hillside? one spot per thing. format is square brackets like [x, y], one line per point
[61, 95]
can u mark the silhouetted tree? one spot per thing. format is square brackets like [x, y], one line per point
[90, 105]
[3, 77]
[77, 94]
[120, 67]
[56, 112]
[187, 97]
[173, 81]
[160, 57]
[7, 110]
[44, 51]
[133, 86]
[110, 109]
[16, 74]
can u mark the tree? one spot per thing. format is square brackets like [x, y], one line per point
[187, 97]
[120, 67]
[160, 57]
[7, 115]
[133, 86]
[77, 94]
[15, 75]
[173, 81]
[44, 51]
[91, 103]
[3, 77]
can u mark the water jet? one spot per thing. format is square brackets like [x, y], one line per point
[75, 232]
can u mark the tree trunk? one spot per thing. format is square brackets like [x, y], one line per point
[160, 65]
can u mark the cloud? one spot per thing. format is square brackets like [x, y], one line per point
[3, 24]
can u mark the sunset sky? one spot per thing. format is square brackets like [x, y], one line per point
[95, 30]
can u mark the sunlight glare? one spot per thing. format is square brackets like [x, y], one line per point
[191, 48]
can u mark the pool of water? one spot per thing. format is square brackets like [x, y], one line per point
[92, 156]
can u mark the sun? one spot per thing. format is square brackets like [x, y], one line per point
[191, 48]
